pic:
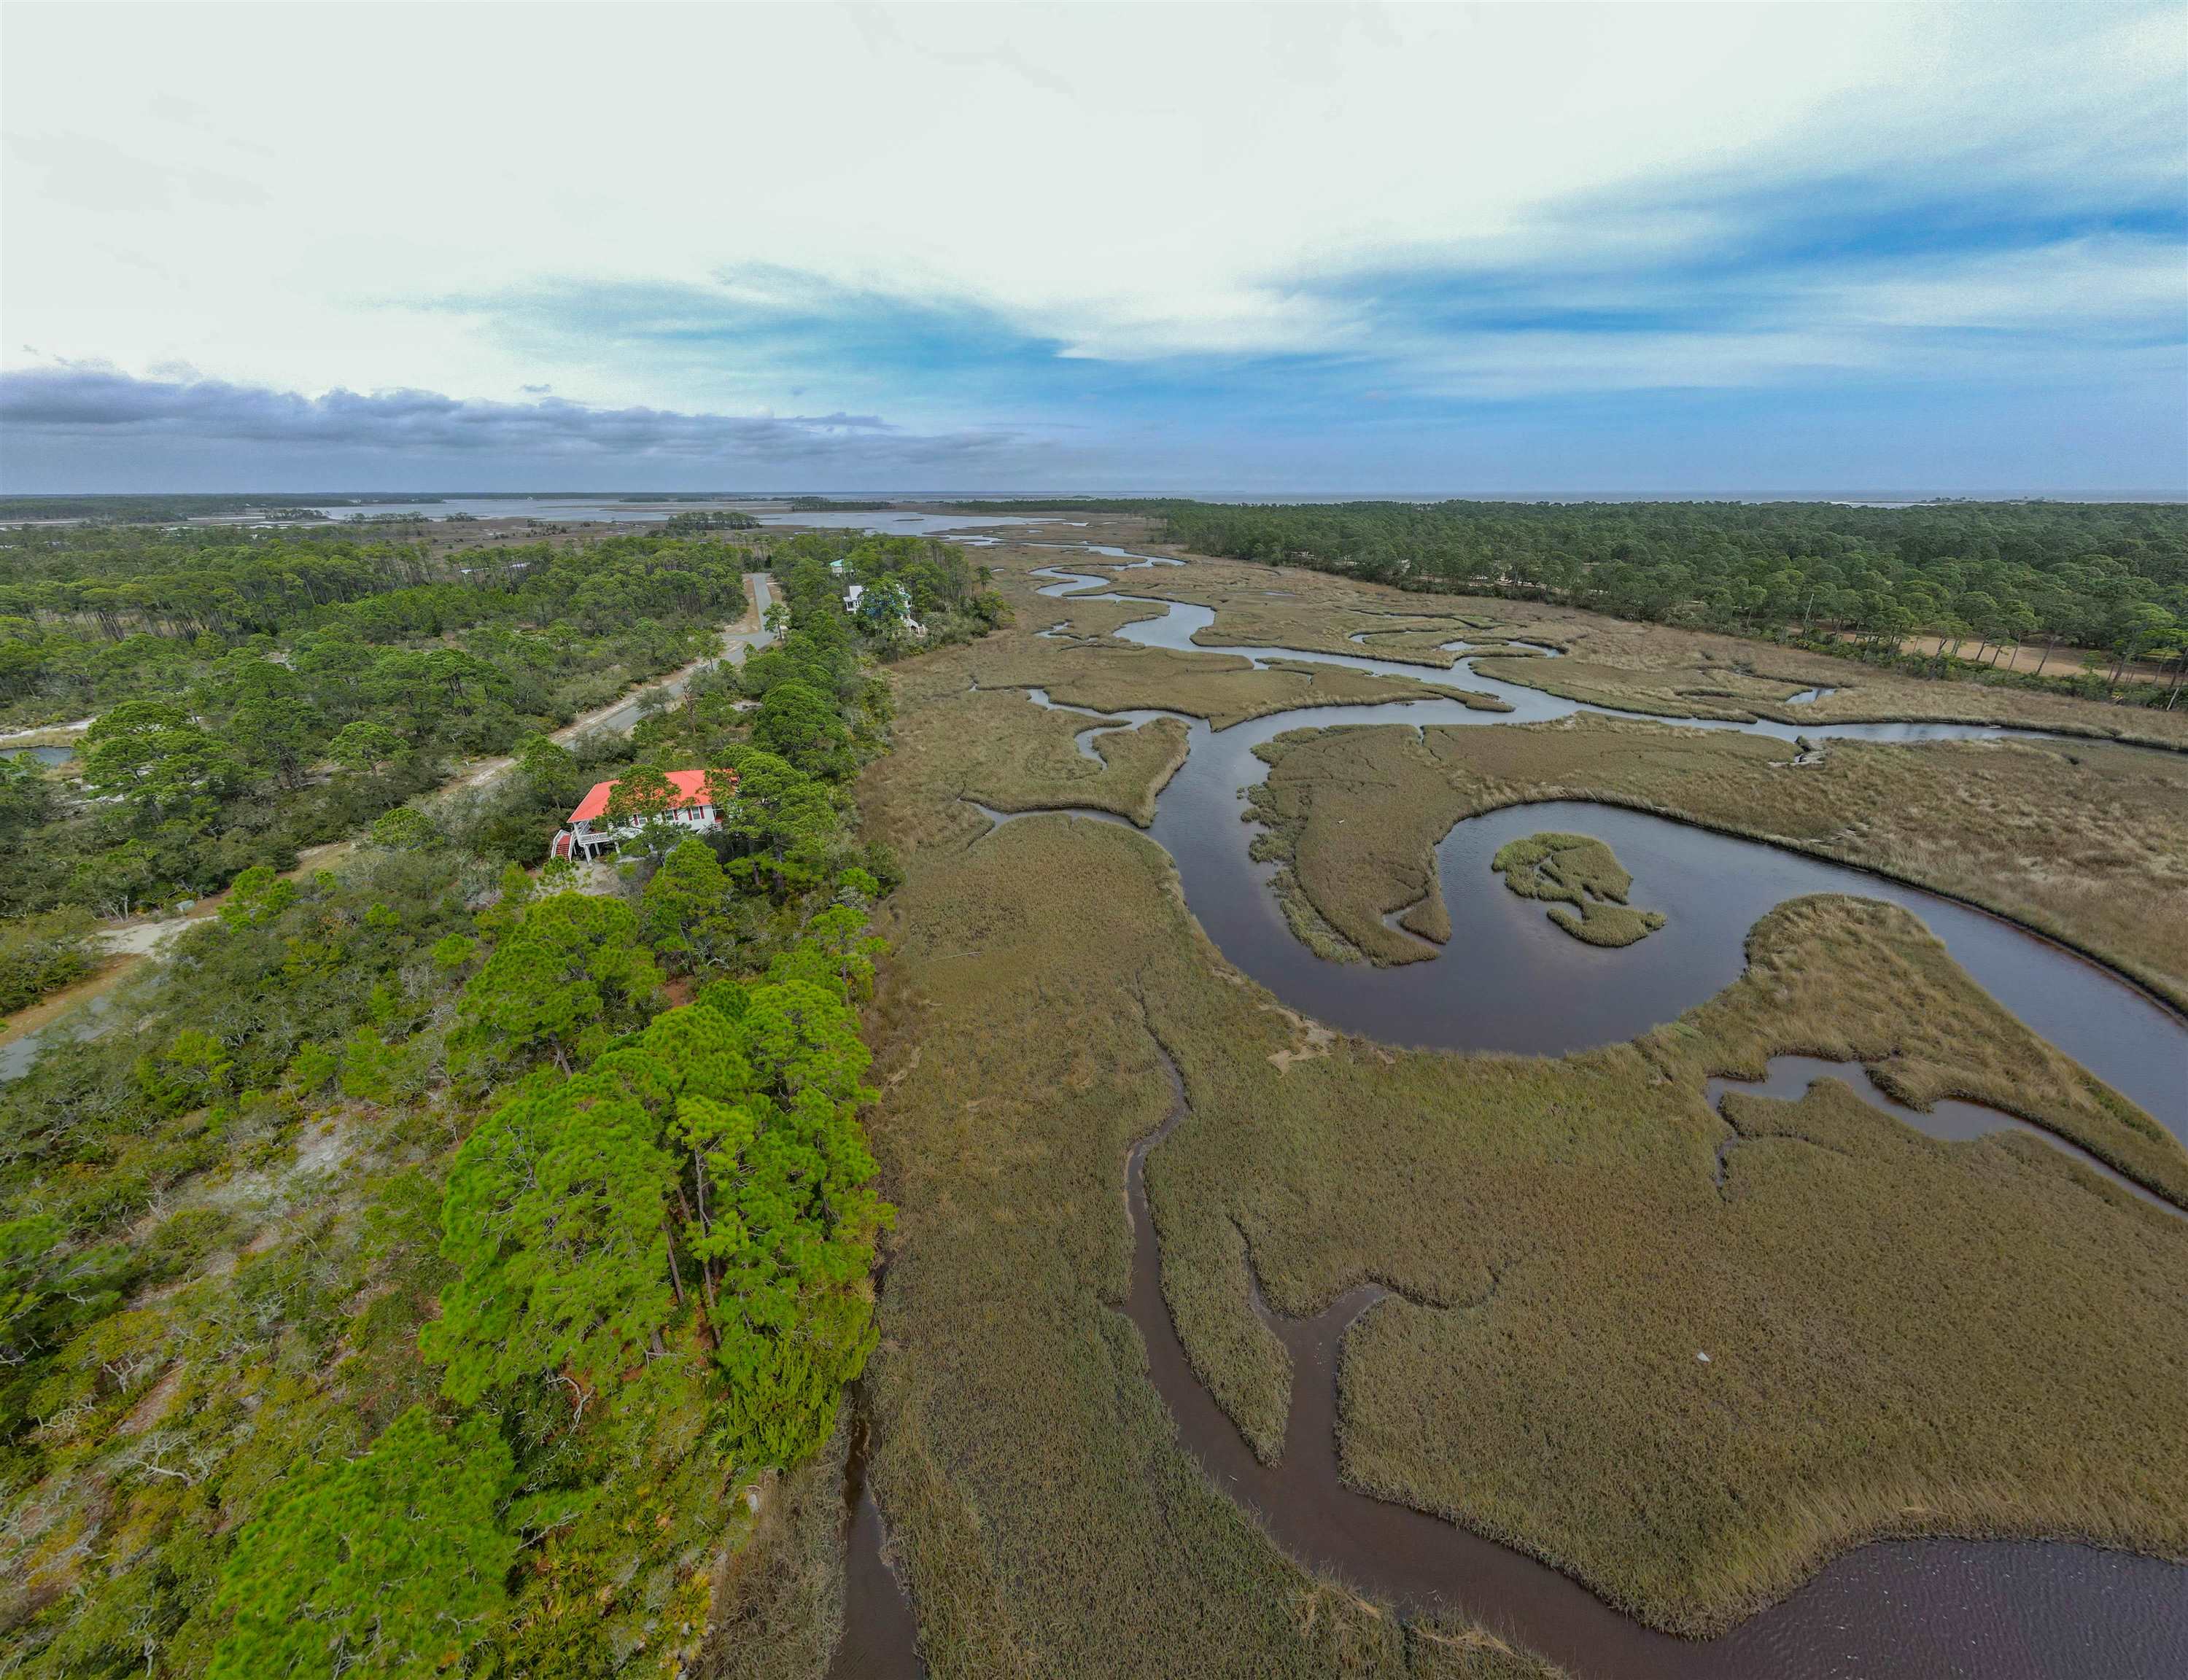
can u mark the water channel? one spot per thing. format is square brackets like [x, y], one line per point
[2001, 1610]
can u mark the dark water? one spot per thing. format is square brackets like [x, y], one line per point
[47, 756]
[1969, 1610]
[1787, 1078]
[1545, 993]
[1509, 980]
[880, 1639]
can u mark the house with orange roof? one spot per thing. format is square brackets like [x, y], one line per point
[591, 832]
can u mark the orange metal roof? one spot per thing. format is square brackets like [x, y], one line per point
[691, 790]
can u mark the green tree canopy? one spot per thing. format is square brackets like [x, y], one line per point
[565, 980]
[152, 754]
[798, 723]
[364, 745]
[685, 913]
[780, 822]
[389, 1565]
[556, 1217]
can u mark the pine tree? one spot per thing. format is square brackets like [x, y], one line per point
[389, 1565]
[566, 979]
[556, 1217]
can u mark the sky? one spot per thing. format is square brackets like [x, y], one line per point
[1228, 249]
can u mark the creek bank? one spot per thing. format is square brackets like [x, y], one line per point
[881, 1638]
[1984, 1609]
[1952, 1120]
[1547, 994]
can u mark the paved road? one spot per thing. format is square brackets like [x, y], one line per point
[737, 641]
[622, 716]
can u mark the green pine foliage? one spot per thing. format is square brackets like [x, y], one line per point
[565, 981]
[684, 913]
[555, 1216]
[387, 1564]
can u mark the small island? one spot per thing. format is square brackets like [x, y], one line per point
[1584, 879]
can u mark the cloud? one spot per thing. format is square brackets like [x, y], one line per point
[104, 416]
[95, 175]
[1811, 279]
[1338, 245]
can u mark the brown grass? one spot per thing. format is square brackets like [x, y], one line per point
[2084, 842]
[1906, 1336]
[1682, 673]
[1224, 689]
[994, 746]
[1883, 1315]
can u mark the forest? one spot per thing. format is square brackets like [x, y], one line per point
[252, 695]
[2097, 588]
[432, 1256]
[2106, 580]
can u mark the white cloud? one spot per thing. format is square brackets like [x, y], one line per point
[1126, 179]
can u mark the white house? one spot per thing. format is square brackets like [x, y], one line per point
[857, 593]
[591, 831]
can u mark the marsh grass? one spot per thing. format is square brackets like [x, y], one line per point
[778, 1599]
[1907, 1336]
[1584, 883]
[1679, 674]
[1224, 689]
[2086, 843]
[1563, 1253]
[1611, 925]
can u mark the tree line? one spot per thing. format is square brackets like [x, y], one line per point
[2109, 578]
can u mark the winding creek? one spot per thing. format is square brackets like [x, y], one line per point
[2002, 1610]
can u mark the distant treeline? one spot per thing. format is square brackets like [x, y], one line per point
[684, 524]
[2108, 577]
[158, 510]
[2113, 577]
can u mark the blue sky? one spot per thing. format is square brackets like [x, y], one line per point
[1526, 249]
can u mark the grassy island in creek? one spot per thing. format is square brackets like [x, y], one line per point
[1584, 879]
